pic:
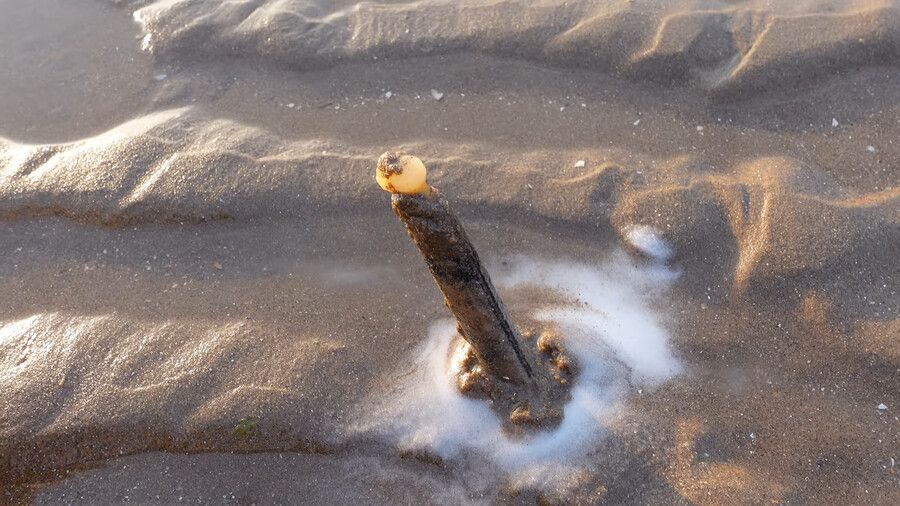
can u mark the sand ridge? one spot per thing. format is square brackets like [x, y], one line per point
[763, 216]
[720, 47]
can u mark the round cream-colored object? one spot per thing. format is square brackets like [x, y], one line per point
[401, 173]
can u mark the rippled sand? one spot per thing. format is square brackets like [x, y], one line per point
[206, 297]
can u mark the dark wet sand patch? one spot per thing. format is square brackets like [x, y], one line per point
[71, 68]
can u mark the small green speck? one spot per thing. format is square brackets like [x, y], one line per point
[246, 427]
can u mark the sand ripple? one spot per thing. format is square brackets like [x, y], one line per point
[78, 388]
[711, 45]
[765, 218]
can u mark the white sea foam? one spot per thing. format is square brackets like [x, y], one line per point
[648, 241]
[605, 315]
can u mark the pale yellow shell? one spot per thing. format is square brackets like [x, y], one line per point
[401, 173]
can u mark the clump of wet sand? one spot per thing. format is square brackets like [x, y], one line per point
[539, 404]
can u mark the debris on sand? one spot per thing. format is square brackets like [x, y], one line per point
[579, 164]
[437, 95]
[245, 427]
[493, 359]
[435, 230]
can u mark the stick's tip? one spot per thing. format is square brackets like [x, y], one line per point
[401, 173]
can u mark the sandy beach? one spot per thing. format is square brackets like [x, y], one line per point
[205, 297]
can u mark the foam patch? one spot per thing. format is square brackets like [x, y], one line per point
[608, 324]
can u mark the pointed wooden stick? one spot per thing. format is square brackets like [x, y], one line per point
[468, 292]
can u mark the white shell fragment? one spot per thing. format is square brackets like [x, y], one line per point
[401, 173]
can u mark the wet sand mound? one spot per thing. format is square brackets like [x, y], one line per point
[171, 167]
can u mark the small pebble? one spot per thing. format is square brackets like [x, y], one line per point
[579, 164]
[435, 94]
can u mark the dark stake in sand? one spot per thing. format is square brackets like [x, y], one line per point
[526, 383]
[468, 292]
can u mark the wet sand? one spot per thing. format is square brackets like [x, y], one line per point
[192, 237]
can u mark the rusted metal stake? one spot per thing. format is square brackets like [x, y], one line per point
[468, 292]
